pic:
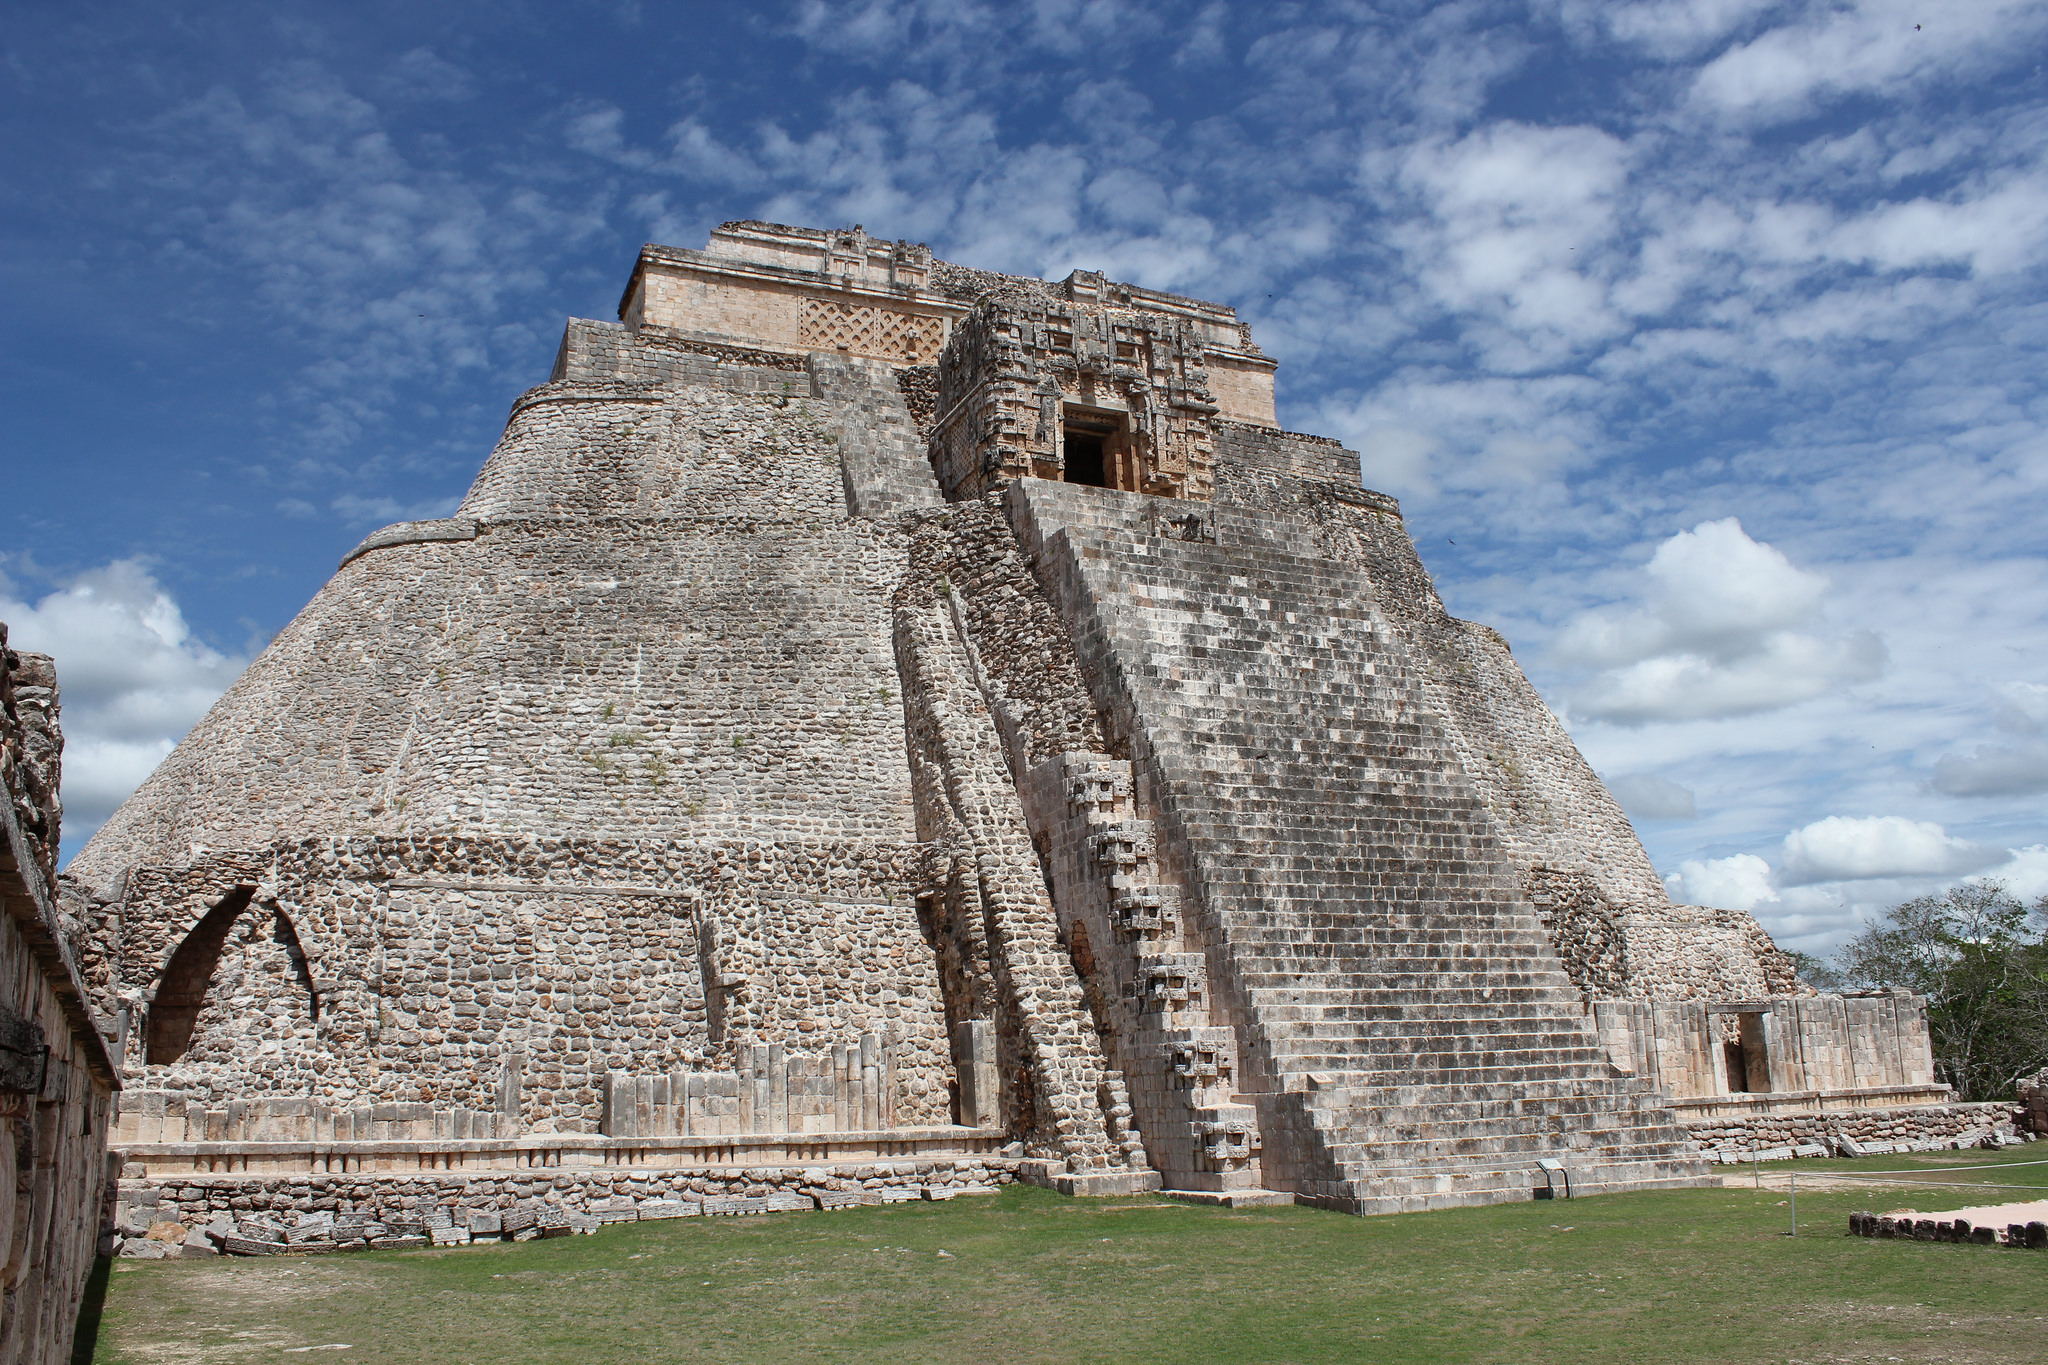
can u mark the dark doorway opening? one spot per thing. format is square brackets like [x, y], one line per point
[1738, 1068]
[182, 990]
[1084, 459]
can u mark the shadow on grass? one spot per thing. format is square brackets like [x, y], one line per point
[87, 1340]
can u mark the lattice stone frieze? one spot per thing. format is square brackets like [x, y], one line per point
[866, 329]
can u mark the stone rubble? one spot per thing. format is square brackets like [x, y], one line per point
[273, 1217]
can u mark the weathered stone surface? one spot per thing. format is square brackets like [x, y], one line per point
[871, 705]
[57, 1071]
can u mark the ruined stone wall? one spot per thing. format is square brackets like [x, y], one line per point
[2033, 1093]
[1791, 1044]
[56, 1074]
[1854, 1132]
[511, 976]
[195, 1201]
[1292, 453]
[594, 352]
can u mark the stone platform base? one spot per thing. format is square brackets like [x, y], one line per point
[1233, 1199]
[1780, 1136]
[195, 1201]
[552, 1151]
[1087, 1183]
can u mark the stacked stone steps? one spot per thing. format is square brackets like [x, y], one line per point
[1180, 1062]
[1333, 840]
[1506, 1141]
[1418, 1046]
[882, 459]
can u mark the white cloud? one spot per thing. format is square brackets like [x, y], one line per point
[2025, 873]
[1875, 45]
[1993, 770]
[1841, 848]
[1516, 215]
[1741, 882]
[1716, 635]
[1650, 797]
[132, 677]
[1664, 28]
[2016, 769]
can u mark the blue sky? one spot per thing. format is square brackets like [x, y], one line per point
[1703, 340]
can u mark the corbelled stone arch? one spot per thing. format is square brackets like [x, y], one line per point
[181, 989]
[284, 932]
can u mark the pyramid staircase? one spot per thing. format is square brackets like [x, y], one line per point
[1406, 1034]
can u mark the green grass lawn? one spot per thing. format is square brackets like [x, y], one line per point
[1692, 1275]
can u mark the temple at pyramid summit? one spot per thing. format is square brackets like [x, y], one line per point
[878, 728]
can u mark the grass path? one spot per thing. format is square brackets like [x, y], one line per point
[1690, 1275]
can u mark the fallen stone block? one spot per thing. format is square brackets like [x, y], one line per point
[252, 1246]
[445, 1236]
[790, 1203]
[616, 1215]
[897, 1194]
[410, 1241]
[840, 1199]
[728, 1206]
[482, 1224]
[143, 1249]
[655, 1209]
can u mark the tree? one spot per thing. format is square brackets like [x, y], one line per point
[1813, 971]
[1981, 959]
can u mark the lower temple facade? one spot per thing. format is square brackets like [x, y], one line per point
[871, 714]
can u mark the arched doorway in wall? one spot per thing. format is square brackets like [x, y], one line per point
[182, 990]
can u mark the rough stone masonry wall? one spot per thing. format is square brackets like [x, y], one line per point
[667, 626]
[511, 975]
[56, 1077]
[996, 910]
[1923, 1127]
[669, 640]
